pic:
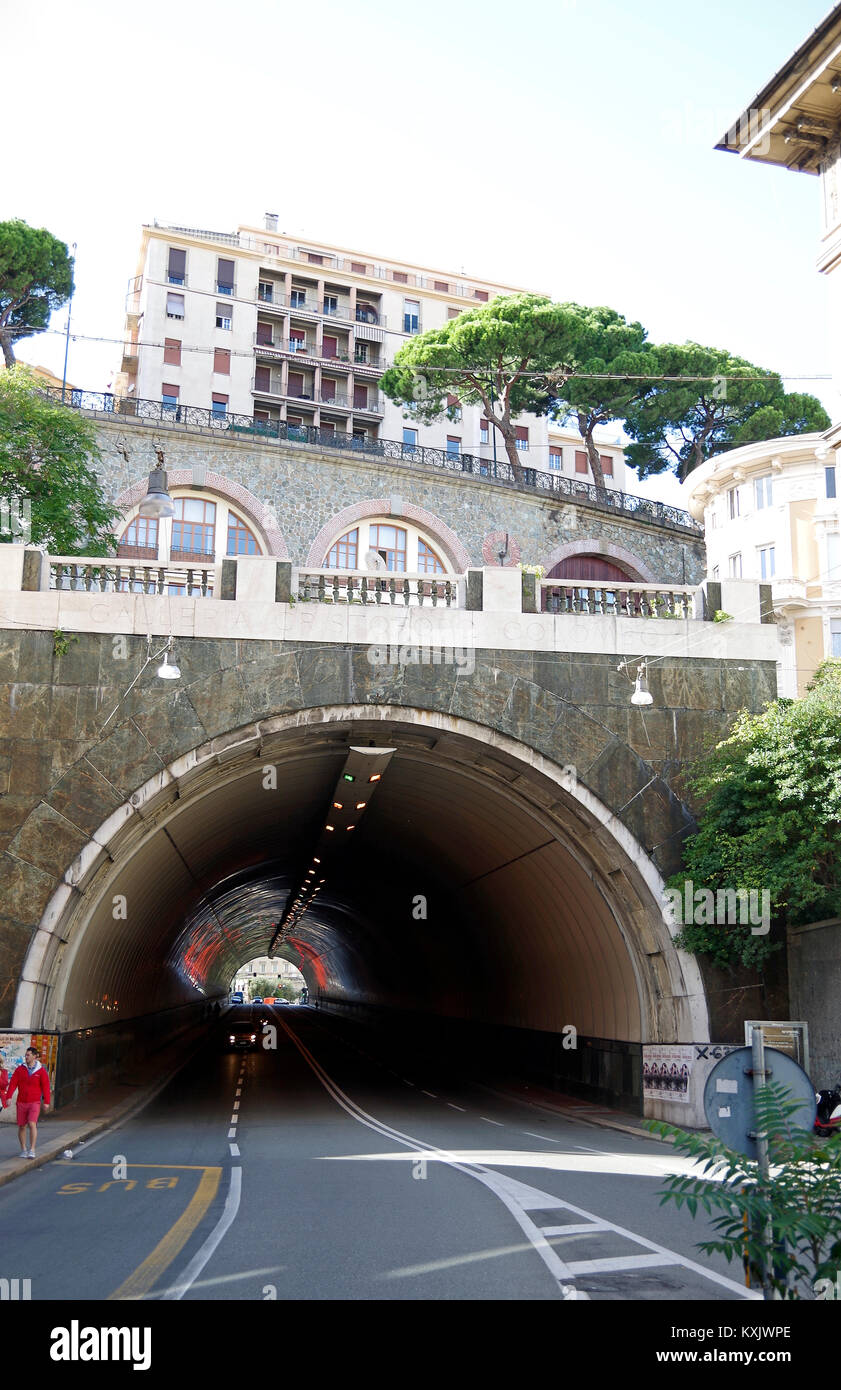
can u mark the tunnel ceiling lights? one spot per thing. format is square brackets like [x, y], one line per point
[366, 765]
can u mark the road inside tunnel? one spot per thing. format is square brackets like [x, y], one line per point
[479, 886]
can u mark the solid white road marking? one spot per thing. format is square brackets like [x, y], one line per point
[539, 1136]
[614, 1263]
[201, 1257]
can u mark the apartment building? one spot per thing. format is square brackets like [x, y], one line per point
[259, 325]
[772, 514]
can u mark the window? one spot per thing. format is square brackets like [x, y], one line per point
[298, 299]
[220, 406]
[329, 347]
[735, 566]
[174, 305]
[295, 384]
[360, 352]
[484, 431]
[835, 637]
[428, 562]
[360, 436]
[360, 397]
[265, 337]
[713, 515]
[263, 379]
[716, 572]
[452, 313]
[222, 361]
[366, 313]
[172, 351]
[297, 340]
[169, 395]
[521, 437]
[223, 317]
[481, 294]
[556, 459]
[400, 277]
[265, 291]
[193, 528]
[331, 304]
[830, 482]
[411, 316]
[358, 267]
[241, 541]
[762, 491]
[177, 266]
[442, 286]
[453, 408]
[328, 388]
[766, 562]
[343, 555]
[225, 277]
[139, 541]
[390, 541]
[315, 258]
[606, 461]
[733, 506]
[410, 437]
[580, 461]
[454, 444]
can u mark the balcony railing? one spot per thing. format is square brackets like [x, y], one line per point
[499, 471]
[355, 586]
[90, 576]
[619, 600]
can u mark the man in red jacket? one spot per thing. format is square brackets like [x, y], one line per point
[32, 1084]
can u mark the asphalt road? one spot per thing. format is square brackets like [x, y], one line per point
[315, 1171]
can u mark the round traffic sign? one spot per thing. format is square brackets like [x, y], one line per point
[728, 1096]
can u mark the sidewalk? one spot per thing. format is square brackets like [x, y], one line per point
[574, 1108]
[102, 1107]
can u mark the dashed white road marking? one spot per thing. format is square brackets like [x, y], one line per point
[457, 1107]
[540, 1136]
[431, 1094]
[236, 1105]
[234, 1150]
[492, 1122]
[615, 1263]
[234, 1118]
[232, 1133]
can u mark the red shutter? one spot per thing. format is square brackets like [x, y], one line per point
[453, 313]
[222, 361]
[331, 347]
[328, 389]
[220, 400]
[400, 277]
[442, 286]
[452, 401]
[296, 384]
[607, 464]
[481, 294]
[263, 379]
[360, 397]
[172, 351]
[169, 390]
[358, 267]
[522, 432]
[580, 461]
[264, 334]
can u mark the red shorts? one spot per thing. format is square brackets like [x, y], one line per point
[28, 1112]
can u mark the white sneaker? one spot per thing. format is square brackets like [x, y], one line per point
[30, 1153]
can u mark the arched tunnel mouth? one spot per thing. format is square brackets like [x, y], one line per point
[484, 898]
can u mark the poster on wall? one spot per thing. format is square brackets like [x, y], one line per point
[14, 1045]
[666, 1069]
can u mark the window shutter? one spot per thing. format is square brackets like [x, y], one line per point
[263, 379]
[358, 267]
[607, 464]
[442, 286]
[481, 294]
[580, 461]
[219, 400]
[264, 334]
[222, 361]
[226, 273]
[177, 263]
[521, 432]
[296, 384]
[169, 390]
[175, 304]
[172, 351]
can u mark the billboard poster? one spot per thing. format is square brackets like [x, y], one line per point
[666, 1069]
[14, 1045]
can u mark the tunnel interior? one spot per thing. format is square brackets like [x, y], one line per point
[477, 888]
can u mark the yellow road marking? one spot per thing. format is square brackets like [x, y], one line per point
[150, 1271]
[179, 1167]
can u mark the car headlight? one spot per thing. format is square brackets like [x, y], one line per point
[253, 1037]
[231, 1038]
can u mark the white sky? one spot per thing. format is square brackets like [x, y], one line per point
[562, 145]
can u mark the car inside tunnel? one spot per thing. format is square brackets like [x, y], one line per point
[481, 901]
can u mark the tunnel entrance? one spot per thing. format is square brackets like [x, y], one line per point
[484, 889]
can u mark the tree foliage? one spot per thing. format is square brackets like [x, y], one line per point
[493, 356]
[602, 346]
[36, 277]
[46, 457]
[771, 818]
[800, 1202]
[706, 401]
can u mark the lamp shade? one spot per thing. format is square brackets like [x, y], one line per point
[157, 501]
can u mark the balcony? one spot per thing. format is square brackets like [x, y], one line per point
[372, 404]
